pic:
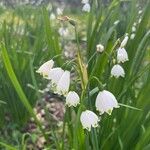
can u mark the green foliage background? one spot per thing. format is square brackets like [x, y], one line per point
[30, 39]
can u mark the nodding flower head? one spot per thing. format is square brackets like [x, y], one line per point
[105, 102]
[124, 42]
[54, 76]
[122, 55]
[72, 99]
[89, 119]
[45, 68]
[63, 84]
[117, 71]
[86, 7]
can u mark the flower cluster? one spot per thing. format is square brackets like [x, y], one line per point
[60, 82]
[86, 7]
[122, 56]
[105, 102]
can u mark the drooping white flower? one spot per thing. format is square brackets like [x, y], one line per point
[45, 68]
[89, 119]
[105, 102]
[52, 16]
[54, 75]
[63, 31]
[134, 24]
[59, 11]
[117, 71]
[140, 11]
[140, 19]
[116, 22]
[133, 29]
[122, 55]
[86, 7]
[124, 42]
[63, 84]
[132, 36]
[100, 48]
[72, 99]
[84, 1]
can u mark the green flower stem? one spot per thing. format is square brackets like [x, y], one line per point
[76, 129]
[82, 67]
[94, 139]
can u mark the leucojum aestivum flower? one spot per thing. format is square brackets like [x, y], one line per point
[61, 84]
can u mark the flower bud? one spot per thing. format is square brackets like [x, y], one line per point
[124, 42]
[100, 48]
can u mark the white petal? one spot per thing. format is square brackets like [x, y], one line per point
[55, 74]
[140, 11]
[122, 55]
[52, 16]
[59, 11]
[72, 99]
[63, 84]
[116, 22]
[117, 71]
[86, 7]
[105, 102]
[89, 119]
[63, 31]
[133, 29]
[124, 42]
[45, 68]
[132, 36]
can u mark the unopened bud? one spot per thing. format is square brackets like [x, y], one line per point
[100, 48]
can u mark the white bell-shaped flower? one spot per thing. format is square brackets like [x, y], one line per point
[84, 1]
[72, 99]
[59, 11]
[52, 16]
[45, 68]
[140, 19]
[89, 119]
[63, 31]
[54, 75]
[86, 7]
[133, 29]
[100, 48]
[63, 84]
[116, 22]
[122, 55]
[140, 11]
[117, 71]
[124, 42]
[132, 36]
[134, 24]
[105, 102]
